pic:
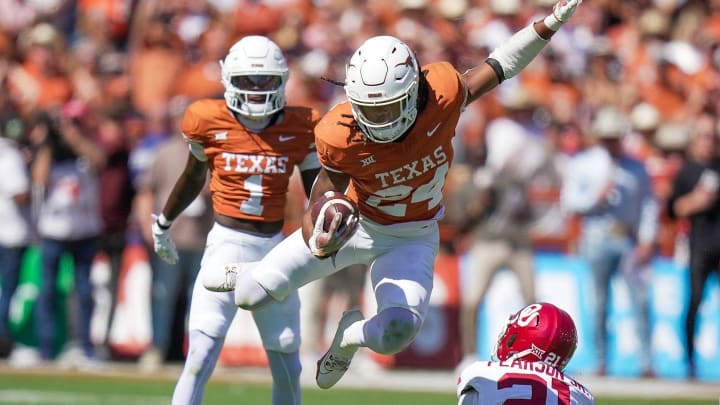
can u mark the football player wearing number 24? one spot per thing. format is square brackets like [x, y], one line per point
[530, 355]
[249, 143]
[389, 148]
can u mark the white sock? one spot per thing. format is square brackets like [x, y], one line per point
[388, 332]
[354, 336]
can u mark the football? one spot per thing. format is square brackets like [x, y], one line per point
[329, 204]
[322, 214]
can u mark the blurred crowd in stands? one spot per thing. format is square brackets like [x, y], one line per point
[111, 77]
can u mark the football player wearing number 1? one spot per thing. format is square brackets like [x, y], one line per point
[531, 352]
[389, 148]
[250, 143]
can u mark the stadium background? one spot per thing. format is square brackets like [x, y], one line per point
[434, 25]
[561, 278]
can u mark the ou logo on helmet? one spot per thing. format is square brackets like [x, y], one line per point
[526, 315]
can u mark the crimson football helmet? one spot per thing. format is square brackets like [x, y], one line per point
[254, 74]
[381, 84]
[539, 332]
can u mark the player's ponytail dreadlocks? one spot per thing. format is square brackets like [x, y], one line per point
[423, 91]
[352, 124]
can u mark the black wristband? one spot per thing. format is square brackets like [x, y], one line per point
[495, 65]
[163, 222]
[161, 226]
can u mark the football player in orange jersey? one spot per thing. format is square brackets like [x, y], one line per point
[389, 148]
[250, 143]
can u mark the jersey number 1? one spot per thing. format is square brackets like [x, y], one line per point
[253, 205]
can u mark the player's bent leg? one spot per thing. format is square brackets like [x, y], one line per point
[402, 281]
[203, 353]
[285, 369]
[290, 265]
[249, 294]
[391, 330]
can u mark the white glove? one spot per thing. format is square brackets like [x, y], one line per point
[562, 11]
[162, 242]
[324, 244]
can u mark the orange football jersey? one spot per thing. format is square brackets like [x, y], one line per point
[398, 181]
[249, 172]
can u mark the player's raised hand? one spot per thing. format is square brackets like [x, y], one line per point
[162, 242]
[562, 11]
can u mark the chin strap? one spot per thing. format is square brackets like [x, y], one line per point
[253, 124]
[520, 355]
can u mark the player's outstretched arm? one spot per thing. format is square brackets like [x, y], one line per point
[518, 51]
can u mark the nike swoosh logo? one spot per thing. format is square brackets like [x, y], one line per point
[432, 131]
[283, 138]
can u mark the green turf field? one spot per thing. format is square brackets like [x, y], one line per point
[90, 390]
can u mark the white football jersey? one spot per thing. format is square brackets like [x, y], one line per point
[535, 383]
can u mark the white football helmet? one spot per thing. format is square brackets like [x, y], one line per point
[381, 83]
[254, 74]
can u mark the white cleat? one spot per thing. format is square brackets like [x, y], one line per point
[333, 365]
[222, 279]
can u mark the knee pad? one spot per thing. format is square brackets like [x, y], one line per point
[395, 329]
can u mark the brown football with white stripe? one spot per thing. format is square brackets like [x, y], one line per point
[331, 203]
[328, 205]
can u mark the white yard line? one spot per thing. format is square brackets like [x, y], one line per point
[75, 398]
